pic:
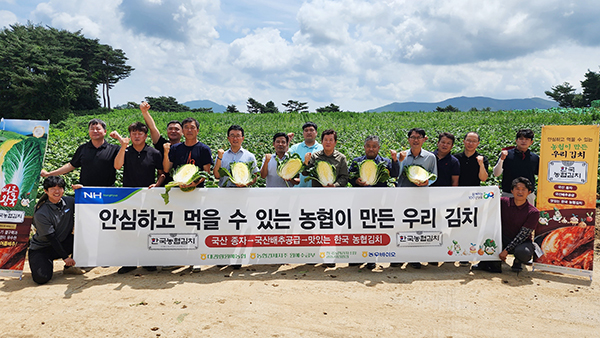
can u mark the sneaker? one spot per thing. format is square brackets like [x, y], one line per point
[72, 270]
[464, 263]
[196, 268]
[236, 266]
[353, 264]
[126, 269]
[150, 268]
[329, 265]
[517, 266]
[371, 266]
[416, 265]
[396, 265]
[433, 264]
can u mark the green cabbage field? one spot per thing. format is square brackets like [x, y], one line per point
[497, 129]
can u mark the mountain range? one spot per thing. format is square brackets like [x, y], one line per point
[217, 108]
[463, 103]
[466, 103]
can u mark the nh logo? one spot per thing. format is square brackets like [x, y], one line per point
[92, 195]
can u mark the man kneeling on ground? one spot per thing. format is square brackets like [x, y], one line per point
[53, 221]
[519, 220]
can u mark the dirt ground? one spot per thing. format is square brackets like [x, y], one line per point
[303, 301]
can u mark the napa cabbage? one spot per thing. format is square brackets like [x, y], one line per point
[372, 173]
[184, 175]
[323, 172]
[21, 163]
[290, 167]
[418, 175]
[239, 173]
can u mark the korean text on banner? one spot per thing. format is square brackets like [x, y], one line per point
[22, 148]
[124, 226]
[567, 198]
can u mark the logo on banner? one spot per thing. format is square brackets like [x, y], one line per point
[419, 238]
[92, 194]
[322, 255]
[481, 195]
[203, 257]
[173, 241]
[253, 256]
[365, 254]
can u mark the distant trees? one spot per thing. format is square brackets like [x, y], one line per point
[328, 109]
[232, 109]
[293, 106]
[255, 107]
[566, 96]
[46, 73]
[448, 108]
[270, 108]
[166, 104]
[474, 109]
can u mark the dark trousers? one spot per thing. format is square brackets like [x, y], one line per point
[523, 252]
[41, 262]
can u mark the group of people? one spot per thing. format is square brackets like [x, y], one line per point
[146, 166]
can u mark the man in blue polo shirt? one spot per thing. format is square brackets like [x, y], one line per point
[309, 145]
[416, 155]
[235, 153]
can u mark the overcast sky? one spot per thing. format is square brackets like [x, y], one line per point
[357, 54]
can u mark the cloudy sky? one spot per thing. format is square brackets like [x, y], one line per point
[357, 54]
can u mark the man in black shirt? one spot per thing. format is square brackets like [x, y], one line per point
[96, 159]
[517, 162]
[174, 133]
[473, 165]
[141, 162]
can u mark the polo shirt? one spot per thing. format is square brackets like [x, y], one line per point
[97, 164]
[50, 218]
[229, 157]
[425, 159]
[515, 217]
[469, 169]
[159, 145]
[519, 164]
[337, 159]
[139, 168]
[273, 180]
[447, 167]
[393, 167]
[198, 154]
[302, 149]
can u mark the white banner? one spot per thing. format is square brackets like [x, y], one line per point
[128, 226]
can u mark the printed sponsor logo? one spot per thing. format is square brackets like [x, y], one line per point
[173, 241]
[481, 195]
[381, 254]
[13, 216]
[419, 238]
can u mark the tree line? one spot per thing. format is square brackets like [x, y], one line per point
[567, 97]
[47, 73]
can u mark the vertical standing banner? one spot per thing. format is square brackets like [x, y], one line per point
[22, 148]
[567, 198]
